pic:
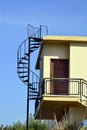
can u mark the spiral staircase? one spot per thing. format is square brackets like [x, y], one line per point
[26, 75]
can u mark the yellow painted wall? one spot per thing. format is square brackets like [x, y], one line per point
[53, 51]
[78, 60]
[75, 52]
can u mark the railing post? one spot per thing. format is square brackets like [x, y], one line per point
[86, 96]
[80, 91]
[42, 88]
[81, 95]
[40, 30]
[27, 118]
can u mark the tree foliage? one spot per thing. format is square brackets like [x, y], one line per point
[33, 125]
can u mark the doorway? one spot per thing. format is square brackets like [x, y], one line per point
[59, 69]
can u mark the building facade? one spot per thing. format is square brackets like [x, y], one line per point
[63, 72]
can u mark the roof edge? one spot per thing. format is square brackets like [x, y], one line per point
[66, 38]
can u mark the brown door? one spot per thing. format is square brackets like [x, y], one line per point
[59, 69]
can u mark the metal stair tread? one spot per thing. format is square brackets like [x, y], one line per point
[32, 87]
[38, 44]
[36, 39]
[35, 47]
[31, 50]
[27, 54]
[24, 58]
[22, 67]
[20, 62]
[29, 84]
[24, 76]
[34, 98]
[33, 92]
[25, 80]
[22, 71]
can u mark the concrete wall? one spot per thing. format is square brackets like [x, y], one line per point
[78, 60]
[53, 51]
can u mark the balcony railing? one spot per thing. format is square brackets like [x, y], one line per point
[63, 86]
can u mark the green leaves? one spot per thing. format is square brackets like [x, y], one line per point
[33, 125]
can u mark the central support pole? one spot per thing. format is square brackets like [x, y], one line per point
[27, 118]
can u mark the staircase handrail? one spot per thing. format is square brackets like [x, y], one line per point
[35, 74]
[22, 43]
[36, 30]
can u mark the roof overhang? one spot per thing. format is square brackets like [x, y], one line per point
[66, 38]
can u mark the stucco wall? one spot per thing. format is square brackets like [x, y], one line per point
[53, 51]
[78, 60]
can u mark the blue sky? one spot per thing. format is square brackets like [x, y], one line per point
[63, 17]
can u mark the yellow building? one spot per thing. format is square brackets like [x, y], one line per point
[63, 71]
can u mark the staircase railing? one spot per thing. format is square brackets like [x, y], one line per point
[33, 31]
[32, 43]
[22, 60]
[29, 45]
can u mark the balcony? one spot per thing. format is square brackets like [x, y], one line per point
[58, 93]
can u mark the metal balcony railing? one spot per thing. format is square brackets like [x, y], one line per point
[63, 86]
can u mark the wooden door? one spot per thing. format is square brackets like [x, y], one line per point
[59, 69]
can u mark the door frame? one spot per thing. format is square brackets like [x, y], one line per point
[52, 76]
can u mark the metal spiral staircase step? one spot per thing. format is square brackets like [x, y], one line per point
[38, 44]
[22, 67]
[30, 85]
[24, 76]
[25, 80]
[33, 92]
[36, 39]
[22, 71]
[27, 54]
[24, 58]
[35, 98]
[32, 50]
[20, 62]
[32, 88]
[34, 47]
